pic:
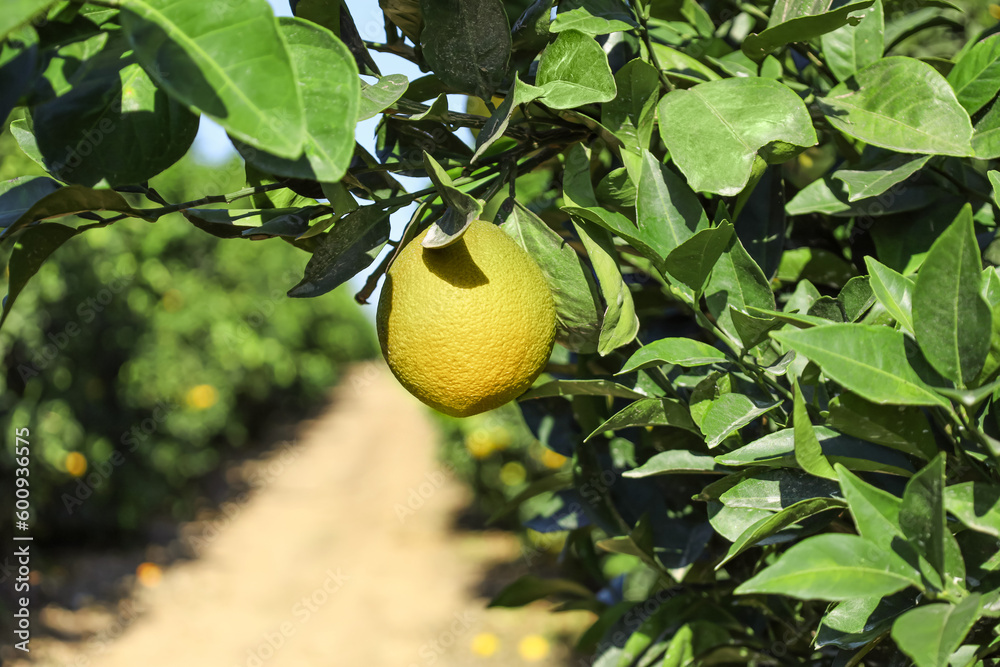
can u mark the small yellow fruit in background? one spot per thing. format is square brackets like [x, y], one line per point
[533, 648]
[467, 327]
[76, 464]
[485, 644]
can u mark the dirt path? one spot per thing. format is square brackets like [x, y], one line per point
[320, 566]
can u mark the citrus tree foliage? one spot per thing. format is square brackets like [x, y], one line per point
[768, 226]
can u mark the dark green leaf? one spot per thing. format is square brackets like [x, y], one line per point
[462, 208]
[692, 261]
[715, 130]
[738, 283]
[901, 104]
[648, 412]
[56, 203]
[877, 178]
[580, 388]
[832, 567]
[201, 56]
[18, 59]
[638, 87]
[853, 623]
[349, 247]
[667, 211]
[922, 514]
[18, 195]
[856, 297]
[32, 248]
[871, 361]
[903, 429]
[574, 71]
[951, 320]
[776, 489]
[530, 588]
[467, 43]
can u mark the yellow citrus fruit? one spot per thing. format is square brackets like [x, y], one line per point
[485, 644]
[467, 327]
[533, 648]
[76, 464]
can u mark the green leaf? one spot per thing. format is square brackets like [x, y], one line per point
[17, 12]
[875, 512]
[467, 43]
[112, 125]
[776, 490]
[736, 283]
[852, 47]
[871, 361]
[901, 104]
[893, 290]
[856, 297]
[352, 244]
[677, 351]
[903, 428]
[975, 504]
[778, 450]
[201, 56]
[879, 177]
[808, 452]
[648, 412]
[32, 248]
[675, 461]
[715, 130]
[853, 623]
[693, 260]
[667, 212]
[931, 633]
[57, 203]
[462, 208]
[500, 119]
[379, 95]
[18, 195]
[18, 63]
[530, 588]
[831, 567]
[951, 320]
[800, 28]
[328, 82]
[580, 388]
[731, 522]
[574, 71]
[986, 135]
[620, 324]
[629, 115]
[581, 20]
[620, 226]
[578, 319]
[731, 412]
[679, 65]
[829, 196]
[976, 75]
[922, 513]
[777, 522]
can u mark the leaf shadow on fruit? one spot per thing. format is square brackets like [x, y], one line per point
[455, 266]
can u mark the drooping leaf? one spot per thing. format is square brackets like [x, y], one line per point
[530, 588]
[676, 461]
[51, 202]
[200, 55]
[951, 320]
[462, 209]
[580, 388]
[574, 71]
[808, 452]
[467, 43]
[831, 567]
[33, 247]
[906, 429]
[667, 212]
[800, 28]
[578, 320]
[901, 104]
[379, 95]
[922, 513]
[692, 261]
[875, 512]
[776, 489]
[715, 130]
[871, 361]
[877, 178]
[648, 412]
[678, 351]
[349, 247]
[329, 85]
[620, 324]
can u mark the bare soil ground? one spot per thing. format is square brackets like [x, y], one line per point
[320, 565]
